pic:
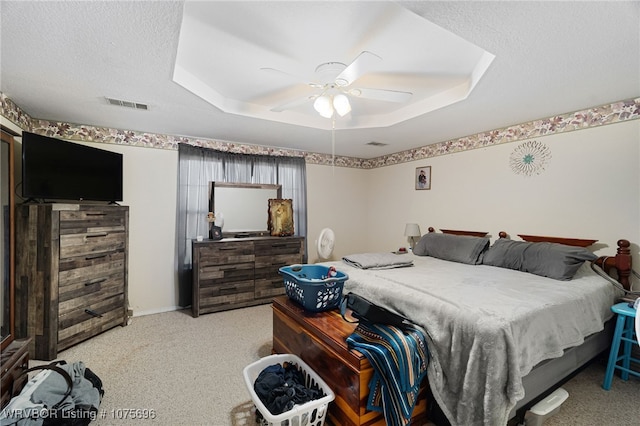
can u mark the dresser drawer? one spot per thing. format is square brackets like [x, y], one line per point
[89, 268]
[91, 289]
[236, 291]
[75, 298]
[92, 219]
[91, 244]
[89, 319]
[269, 287]
[269, 282]
[219, 274]
[224, 253]
[269, 265]
[274, 247]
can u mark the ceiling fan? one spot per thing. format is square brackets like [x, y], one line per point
[335, 87]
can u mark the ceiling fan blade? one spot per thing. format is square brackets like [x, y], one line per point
[275, 71]
[382, 94]
[293, 104]
[365, 62]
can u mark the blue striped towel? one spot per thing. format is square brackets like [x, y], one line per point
[399, 359]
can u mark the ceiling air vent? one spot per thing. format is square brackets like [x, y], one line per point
[374, 143]
[127, 104]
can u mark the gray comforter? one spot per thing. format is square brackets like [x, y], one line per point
[488, 326]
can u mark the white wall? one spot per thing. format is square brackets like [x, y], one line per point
[150, 191]
[337, 199]
[590, 189]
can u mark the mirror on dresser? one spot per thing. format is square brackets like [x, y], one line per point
[242, 208]
[7, 246]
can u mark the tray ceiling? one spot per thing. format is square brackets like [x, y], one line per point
[60, 61]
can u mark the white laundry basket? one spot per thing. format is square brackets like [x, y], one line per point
[312, 413]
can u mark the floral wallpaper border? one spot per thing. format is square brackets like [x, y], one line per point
[593, 117]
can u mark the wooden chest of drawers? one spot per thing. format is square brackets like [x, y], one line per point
[238, 272]
[71, 273]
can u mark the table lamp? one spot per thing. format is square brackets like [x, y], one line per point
[412, 230]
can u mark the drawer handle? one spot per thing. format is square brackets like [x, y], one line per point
[95, 214]
[227, 248]
[96, 281]
[228, 268]
[100, 234]
[93, 313]
[95, 256]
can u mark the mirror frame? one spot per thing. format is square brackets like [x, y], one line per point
[6, 341]
[214, 184]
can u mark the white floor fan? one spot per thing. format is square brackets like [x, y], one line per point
[325, 244]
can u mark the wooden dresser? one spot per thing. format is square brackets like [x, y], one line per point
[71, 273]
[238, 272]
[319, 340]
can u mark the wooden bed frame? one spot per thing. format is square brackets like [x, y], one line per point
[319, 340]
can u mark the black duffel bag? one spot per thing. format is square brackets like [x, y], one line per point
[365, 311]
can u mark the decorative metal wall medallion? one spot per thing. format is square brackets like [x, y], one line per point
[529, 158]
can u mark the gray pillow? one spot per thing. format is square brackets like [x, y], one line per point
[456, 248]
[557, 261]
[506, 254]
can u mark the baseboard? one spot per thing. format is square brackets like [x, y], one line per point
[156, 311]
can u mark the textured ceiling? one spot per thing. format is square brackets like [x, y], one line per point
[328, 48]
[59, 60]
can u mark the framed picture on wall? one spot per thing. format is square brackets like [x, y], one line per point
[423, 177]
[280, 217]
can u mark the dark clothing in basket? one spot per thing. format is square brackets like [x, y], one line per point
[281, 387]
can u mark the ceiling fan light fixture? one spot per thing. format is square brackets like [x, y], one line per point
[323, 105]
[341, 104]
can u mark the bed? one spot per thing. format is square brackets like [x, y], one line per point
[502, 335]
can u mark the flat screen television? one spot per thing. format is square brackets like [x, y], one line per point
[60, 170]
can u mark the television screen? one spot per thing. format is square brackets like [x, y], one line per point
[61, 170]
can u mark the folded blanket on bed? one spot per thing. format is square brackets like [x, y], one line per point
[399, 360]
[378, 260]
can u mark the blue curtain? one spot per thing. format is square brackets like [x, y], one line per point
[200, 166]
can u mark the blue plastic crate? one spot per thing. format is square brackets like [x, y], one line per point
[311, 286]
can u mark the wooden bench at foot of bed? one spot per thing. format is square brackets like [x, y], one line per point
[319, 340]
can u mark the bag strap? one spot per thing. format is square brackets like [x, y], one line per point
[343, 308]
[54, 367]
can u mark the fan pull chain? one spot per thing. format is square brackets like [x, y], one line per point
[333, 144]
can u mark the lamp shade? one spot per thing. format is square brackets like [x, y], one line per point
[323, 105]
[341, 104]
[412, 230]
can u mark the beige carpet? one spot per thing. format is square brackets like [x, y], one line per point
[188, 371]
